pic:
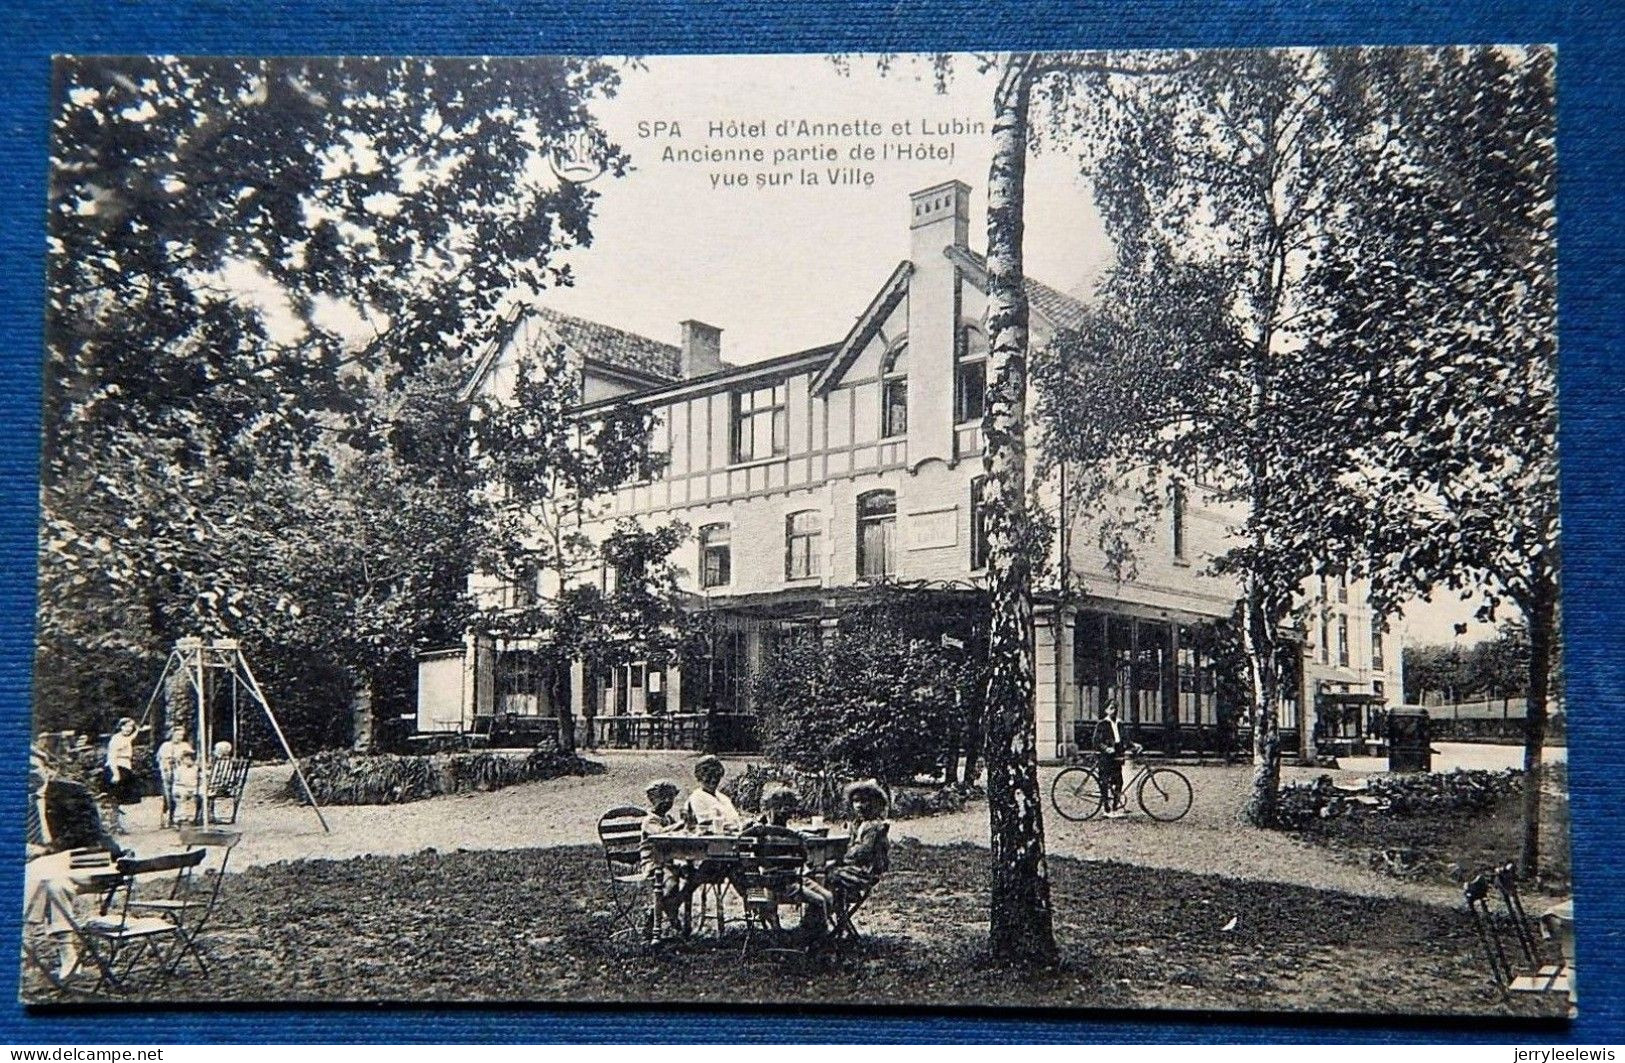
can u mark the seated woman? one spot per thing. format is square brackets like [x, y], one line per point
[868, 855]
[705, 804]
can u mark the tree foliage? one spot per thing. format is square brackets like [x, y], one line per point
[1221, 183]
[265, 277]
[543, 476]
[881, 694]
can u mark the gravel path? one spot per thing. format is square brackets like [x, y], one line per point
[565, 812]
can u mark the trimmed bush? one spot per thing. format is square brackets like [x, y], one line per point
[339, 777]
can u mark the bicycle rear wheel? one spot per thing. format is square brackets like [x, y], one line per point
[1076, 795]
[1165, 794]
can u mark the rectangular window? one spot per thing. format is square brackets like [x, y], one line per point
[978, 525]
[716, 556]
[894, 408]
[1343, 588]
[877, 535]
[1325, 638]
[1376, 644]
[761, 423]
[1343, 640]
[1177, 504]
[803, 534]
[970, 391]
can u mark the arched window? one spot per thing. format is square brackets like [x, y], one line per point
[970, 376]
[803, 536]
[894, 393]
[877, 535]
[716, 555]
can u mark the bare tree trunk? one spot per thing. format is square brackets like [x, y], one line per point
[1542, 638]
[1021, 925]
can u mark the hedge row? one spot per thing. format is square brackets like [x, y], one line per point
[339, 777]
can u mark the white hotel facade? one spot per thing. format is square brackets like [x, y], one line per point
[808, 476]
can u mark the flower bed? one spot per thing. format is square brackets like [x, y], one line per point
[339, 777]
[821, 795]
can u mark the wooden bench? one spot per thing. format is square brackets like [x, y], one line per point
[227, 778]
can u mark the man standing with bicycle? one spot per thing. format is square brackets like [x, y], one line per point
[1113, 747]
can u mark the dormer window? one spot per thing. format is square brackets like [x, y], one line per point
[970, 376]
[761, 423]
[894, 394]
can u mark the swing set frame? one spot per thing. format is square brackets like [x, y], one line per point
[200, 659]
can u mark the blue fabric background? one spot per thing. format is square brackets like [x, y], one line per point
[1591, 278]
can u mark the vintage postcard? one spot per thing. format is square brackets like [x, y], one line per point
[1068, 530]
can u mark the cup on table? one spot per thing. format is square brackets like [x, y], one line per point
[818, 821]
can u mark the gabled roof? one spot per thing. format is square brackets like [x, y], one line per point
[1055, 307]
[874, 315]
[621, 353]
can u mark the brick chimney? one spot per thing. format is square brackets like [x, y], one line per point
[937, 217]
[701, 349]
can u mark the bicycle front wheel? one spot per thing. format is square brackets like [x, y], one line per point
[1076, 795]
[1165, 794]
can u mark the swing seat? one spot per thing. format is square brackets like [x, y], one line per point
[227, 778]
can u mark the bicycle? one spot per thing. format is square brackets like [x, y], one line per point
[1162, 793]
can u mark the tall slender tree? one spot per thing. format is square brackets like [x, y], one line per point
[1220, 183]
[1447, 356]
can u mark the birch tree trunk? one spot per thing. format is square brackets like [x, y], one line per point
[1258, 640]
[1021, 925]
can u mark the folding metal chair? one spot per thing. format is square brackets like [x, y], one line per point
[190, 903]
[621, 832]
[1494, 928]
[772, 863]
[116, 944]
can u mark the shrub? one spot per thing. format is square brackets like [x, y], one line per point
[339, 777]
[866, 700]
[1301, 804]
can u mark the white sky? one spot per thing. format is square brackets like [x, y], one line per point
[782, 269]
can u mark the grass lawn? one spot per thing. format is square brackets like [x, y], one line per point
[531, 925]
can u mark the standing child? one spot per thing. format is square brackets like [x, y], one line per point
[186, 787]
[168, 756]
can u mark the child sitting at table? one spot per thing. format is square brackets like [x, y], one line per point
[779, 803]
[868, 855]
[669, 883]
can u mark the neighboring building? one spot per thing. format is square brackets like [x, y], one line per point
[809, 475]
